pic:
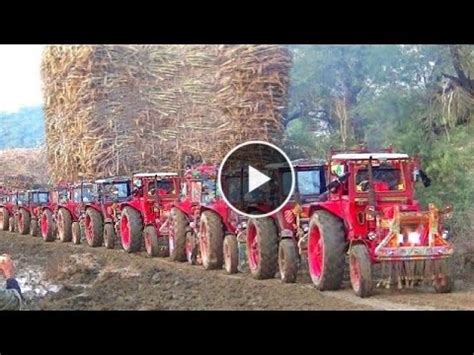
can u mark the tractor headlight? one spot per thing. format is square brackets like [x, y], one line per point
[446, 235]
[305, 228]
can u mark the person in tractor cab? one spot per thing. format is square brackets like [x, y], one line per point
[10, 297]
[164, 187]
[385, 178]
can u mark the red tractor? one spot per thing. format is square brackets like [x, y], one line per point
[97, 205]
[7, 205]
[202, 226]
[144, 217]
[18, 198]
[370, 213]
[30, 210]
[112, 192]
[68, 207]
[277, 242]
[58, 197]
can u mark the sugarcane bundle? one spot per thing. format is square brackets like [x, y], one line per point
[253, 92]
[122, 109]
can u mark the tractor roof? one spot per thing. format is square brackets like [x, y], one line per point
[366, 156]
[84, 184]
[297, 163]
[112, 180]
[152, 175]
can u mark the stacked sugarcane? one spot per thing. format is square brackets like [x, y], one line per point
[252, 92]
[113, 110]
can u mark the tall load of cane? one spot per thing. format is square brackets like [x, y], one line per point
[113, 110]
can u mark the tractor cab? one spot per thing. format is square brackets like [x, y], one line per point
[387, 176]
[84, 192]
[310, 181]
[114, 189]
[4, 196]
[21, 198]
[156, 186]
[200, 184]
[38, 197]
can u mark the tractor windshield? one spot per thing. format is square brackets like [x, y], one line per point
[385, 178]
[208, 190]
[164, 187]
[118, 190]
[22, 198]
[87, 194]
[286, 183]
[309, 182]
[123, 189]
[40, 197]
[62, 196]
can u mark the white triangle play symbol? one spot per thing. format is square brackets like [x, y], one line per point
[256, 178]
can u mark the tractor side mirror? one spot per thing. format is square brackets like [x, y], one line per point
[337, 170]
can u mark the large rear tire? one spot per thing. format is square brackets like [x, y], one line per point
[192, 248]
[34, 229]
[211, 240]
[177, 236]
[262, 248]
[151, 241]
[64, 225]
[4, 219]
[131, 228]
[24, 220]
[288, 260]
[47, 226]
[231, 254]
[326, 246]
[109, 236]
[360, 270]
[11, 224]
[76, 233]
[94, 228]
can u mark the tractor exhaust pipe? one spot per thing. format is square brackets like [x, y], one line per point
[371, 192]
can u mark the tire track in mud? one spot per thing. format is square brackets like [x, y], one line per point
[164, 284]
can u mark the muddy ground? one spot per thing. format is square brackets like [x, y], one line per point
[57, 276]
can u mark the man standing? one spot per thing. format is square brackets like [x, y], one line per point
[10, 297]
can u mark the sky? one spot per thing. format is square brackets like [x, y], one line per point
[20, 81]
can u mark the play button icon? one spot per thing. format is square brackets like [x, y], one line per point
[256, 179]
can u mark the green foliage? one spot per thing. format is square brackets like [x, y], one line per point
[22, 129]
[405, 99]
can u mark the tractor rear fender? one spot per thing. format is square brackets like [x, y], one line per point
[186, 207]
[333, 207]
[96, 208]
[336, 208]
[67, 208]
[285, 229]
[135, 204]
[223, 215]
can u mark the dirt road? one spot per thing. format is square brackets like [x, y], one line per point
[57, 276]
